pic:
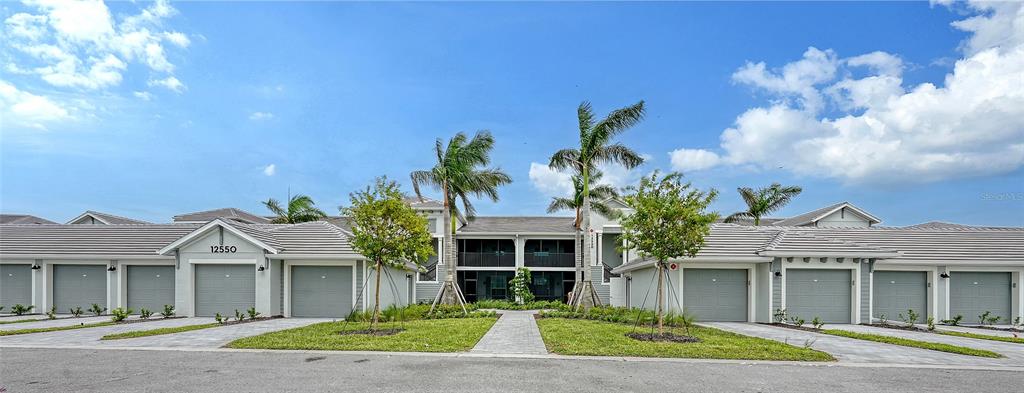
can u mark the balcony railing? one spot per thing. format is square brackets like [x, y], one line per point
[549, 259]
[487, 259]
[608, 275]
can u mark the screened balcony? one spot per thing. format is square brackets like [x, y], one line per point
[487, 252]
[549, 253]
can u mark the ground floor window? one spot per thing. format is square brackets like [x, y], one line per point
[552, 285]
[481, 285]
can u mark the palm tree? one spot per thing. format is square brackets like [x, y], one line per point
[300, 209]
[763, 201]
[596, 148]
[601, 193]
[460, 172]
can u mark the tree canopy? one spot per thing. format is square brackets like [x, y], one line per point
[301, 208]
[669, 218]
[763, 201]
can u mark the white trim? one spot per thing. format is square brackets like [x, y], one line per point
[184, 240]
[87, 214]
[83, 256]
[814, 254]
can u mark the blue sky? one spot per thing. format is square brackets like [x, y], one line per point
[202, 98]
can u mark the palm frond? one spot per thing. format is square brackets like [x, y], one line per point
[615, 123]
[619, 153]
[738, 216]
[561, 203]
[565, 159]
[585, 115]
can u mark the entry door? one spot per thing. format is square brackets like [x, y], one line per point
[823, 293]
[150, 287]
[715, 294]
[973, 293]
[79, 286]
[896, 292]
[15, 285]
[224, 288]
[321, 291]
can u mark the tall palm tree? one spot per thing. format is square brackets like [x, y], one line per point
[763, 201]
[460, 172]
[600, 193]
[301, 208]
[596, 148]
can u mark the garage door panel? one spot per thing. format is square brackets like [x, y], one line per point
[15, 285]
[321, 291]
[823, 293]
[715, 294]
[973, 293]
[79, 286]
[224, 288]
[895, 292]
[150, 287]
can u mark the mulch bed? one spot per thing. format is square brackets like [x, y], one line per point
[993, 328]
[373, 332]
[669, 337]
[897, 327]
[794, 327]
[247, 320]
[140, 320]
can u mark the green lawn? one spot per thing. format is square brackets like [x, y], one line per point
[432, 335]
[4, 322]
[54, 329]
[1017, 340]
[913, 343]
[157, 332]
[586, 337]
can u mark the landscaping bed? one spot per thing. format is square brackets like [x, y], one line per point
[906, 342]
[180, 329]
[910, 328]
[427, 335]
[599, 338]
[79, 326]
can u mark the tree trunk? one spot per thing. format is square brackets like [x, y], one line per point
[449, 293]
[587, 296]
[661, 300]
[376, 299]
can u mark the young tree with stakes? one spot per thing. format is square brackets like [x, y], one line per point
[763, 201]
[596, 147]
[669, 221]
[387, 231]
[460, 172]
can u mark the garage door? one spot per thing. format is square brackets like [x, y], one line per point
[973, 293]
[819, 293]
[223, 288]
[15, 285]
[897, 292]
[79, 286]
[150, 287]
[321, 291]
[715, 294]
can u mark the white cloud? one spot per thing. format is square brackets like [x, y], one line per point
[143, 95]
[79, 44]
[257, 116]
[971, 125]
[27, 109]
[270, 170]
[549, 181]
[684, 160]
[170, 83]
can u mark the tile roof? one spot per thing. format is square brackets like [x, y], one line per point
[228, 212]
[814, 215]
[23, 219]
[494, 224]
[425, 203]
[95, 240]
[936, 245]
[108, 218]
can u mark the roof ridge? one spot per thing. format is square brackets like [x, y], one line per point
[115, 216]
[840, 241]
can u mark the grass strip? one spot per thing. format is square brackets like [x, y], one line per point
[159, 331]
[54, 328]
[906, 342]
[432, 335]
[599, 338]
[1017, 340]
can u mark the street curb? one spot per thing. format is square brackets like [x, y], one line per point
[536, 357]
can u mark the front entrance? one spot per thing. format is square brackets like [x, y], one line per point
[485, 284]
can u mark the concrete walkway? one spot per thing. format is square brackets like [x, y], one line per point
[1014, 352]
[859, 351]
[515, 333]
[61, 321]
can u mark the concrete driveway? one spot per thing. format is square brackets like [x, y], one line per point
[43, 322]
[1014, 352]
[204, 338]
[862, 351]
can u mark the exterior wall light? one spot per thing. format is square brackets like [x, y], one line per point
[778, 274]
[111, 268]
[261, 268]
[36, 267]
[944, 275]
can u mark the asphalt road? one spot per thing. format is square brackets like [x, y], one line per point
[88, 370]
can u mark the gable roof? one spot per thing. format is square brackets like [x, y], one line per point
[105, 218]
[815, 215]
[23, 219]
[497, 224]
[250, 234]
[807, 244]
[315, 238]
[83, 241]
[227, 213]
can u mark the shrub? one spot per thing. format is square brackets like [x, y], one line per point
[97, 310]
[144, 313]
[509, 305]
[796, 321]
[623, 315]
[955, 321]
[252, 313]
[52, 314]
[911, 318]
[883, 320]
[779, 315]
[521, 286]
[20, 309]
[168, 311]
[239, 316]
[1, 308]
[119, 314]
[76, 312]
[817, 322]
[219, 318]
[414, 312]
[931, 323]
